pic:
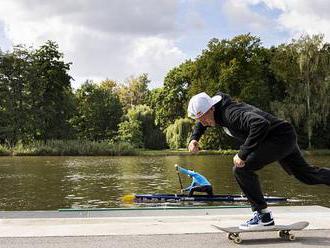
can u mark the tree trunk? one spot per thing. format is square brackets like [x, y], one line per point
[309, 120]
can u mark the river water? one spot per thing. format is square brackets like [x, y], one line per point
[51, 183]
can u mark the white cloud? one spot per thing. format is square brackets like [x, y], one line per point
[4, 42]
[119, 38]
[300, 16]
[243, 18]
[113, 39]
[307, 17]
[155, 54]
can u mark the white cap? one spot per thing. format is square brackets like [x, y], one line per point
[200, 104]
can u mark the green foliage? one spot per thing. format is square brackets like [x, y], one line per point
[216, 139]
[131, 132]
[321, 135]
[98, 112]
[73, 148]
[178, 133]
[37, 102]
[4, 151]
[34, 91]
[15, 104]
[307, 85]
[134, 92]
[238, 67]
[50, 91]
[154, 96]
[139, 128]
[170, 102]
[153, 138]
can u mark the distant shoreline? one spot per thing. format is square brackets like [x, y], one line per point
[105, 148]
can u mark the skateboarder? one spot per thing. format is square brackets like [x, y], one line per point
[264, 139]
[199, 183]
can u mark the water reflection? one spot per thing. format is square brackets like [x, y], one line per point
[48, 183]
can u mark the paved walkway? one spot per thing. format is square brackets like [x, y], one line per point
[304, 239]
[156, 228]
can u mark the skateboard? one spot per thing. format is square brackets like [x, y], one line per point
[283, 231]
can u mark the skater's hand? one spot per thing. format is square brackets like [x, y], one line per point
[193, 146]
[238, 162]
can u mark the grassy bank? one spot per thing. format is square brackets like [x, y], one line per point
[92, 148]
[105, 148]
[183, 152]
[317, 152]
[69, 148]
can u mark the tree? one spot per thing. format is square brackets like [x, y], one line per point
[98, 112]
[171, 100]
[140, 130]
[134, 92]
[14, 95]
[130, 131]
[216, 139]
[304, 65]
[36, 94]
[178, 133]
[109, 85]
[50, 88]
[238, 67]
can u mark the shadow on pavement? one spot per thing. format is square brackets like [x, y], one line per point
[321, 241]
[314, 241]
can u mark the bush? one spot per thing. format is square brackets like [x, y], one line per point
[4, 151]
[140, 130]
[178, 133]
[216, 139]
[131, 132]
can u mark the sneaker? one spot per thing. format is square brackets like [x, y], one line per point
[259, 221]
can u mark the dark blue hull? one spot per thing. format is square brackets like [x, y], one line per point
[215, 198]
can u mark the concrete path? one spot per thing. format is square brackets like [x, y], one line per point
[304, 239]
[156, 228]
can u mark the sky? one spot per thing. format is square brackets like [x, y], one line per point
[117, 39]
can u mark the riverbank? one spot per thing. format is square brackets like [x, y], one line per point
[93, 148]
[69, 148]
[105, 148]
[184, 152]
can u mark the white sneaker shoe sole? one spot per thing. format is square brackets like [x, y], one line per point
[257, 227]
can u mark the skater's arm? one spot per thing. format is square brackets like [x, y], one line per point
[198, 131]
[258, 127]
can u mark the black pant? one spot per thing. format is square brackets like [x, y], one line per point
[206, 188]
[279, 145]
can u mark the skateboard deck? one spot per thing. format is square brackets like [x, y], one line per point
[284, 230]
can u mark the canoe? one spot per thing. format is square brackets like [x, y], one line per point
[215, 198]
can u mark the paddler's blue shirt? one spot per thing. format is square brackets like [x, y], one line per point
[198, 179]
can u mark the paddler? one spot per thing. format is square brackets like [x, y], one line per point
[199, 182]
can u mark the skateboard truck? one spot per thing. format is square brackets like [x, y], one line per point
[234, 237]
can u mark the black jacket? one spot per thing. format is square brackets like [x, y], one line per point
[246, 123]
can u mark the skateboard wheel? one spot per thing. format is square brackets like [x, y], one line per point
[237, 240]
[291, 237]
[232, 236]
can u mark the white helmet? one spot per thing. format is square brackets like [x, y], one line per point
[200, 104]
